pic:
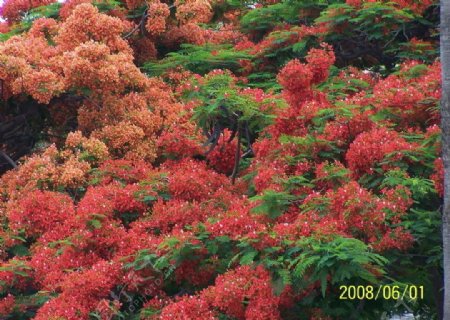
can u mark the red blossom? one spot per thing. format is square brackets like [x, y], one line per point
[369, 148]
[188, 308]
[40, 211]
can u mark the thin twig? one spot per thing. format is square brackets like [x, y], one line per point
[393, 38]
[141, 23]
[10, 161]
[247, 136]
[237, 156]
[129, 34]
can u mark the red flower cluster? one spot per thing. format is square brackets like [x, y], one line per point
[438, 176]
[244, 284]
[297, 78]
[369, 148]
[128, 205]
[242, 293]
[192, 180]
[187, 308]
[74, 303]
[40, 211]
[7, 305]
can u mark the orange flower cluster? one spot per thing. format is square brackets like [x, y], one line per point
[193, 11]
[85, 24]
[66, 168]
[144, 50]
[157, 15]
[228, 33]
[188, 33]
[90, 57]
[130, 125]
[68, 7]
[13, 10]
[88, 49]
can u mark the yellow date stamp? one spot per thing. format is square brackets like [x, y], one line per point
[385, 292]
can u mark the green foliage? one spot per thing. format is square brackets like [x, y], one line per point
[379, 30]
[416, 71]
[340, 261]
[264, 80]
[273, 204]
[364, 20]
[223, 105]
[19, 250]
[419, 51]
[267, 17]
[199, 59]
[308, 144]
[17, 267]
[336, 88]
[48, 11]
[108, 5]
[221, 99]
[421, 188]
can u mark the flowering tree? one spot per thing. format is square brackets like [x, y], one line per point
[205, 159]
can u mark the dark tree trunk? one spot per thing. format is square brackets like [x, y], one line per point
[445, 113]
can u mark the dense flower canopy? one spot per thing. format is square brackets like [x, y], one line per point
[208, 159]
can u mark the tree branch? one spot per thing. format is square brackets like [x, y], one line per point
[237, 156]
[8, 159]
